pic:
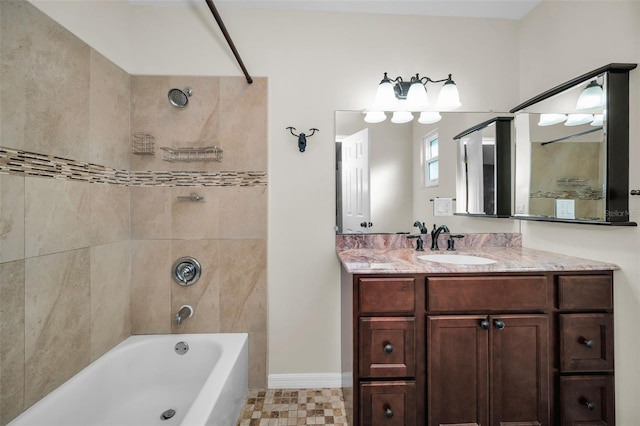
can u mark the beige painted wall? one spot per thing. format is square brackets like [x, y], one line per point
[313, 71]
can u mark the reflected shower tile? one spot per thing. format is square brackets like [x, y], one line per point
[11, 340]
[11, 218]
[150, 212]
[109, 121]
[109, 206]
[45, 112]
[196, 220]
[151, 286]
[243, 289]
[243, 212]
[243, 127]
[110, 296]
[57, 320]
[203, 296]
[57, 216]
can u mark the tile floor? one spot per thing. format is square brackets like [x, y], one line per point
[276, 407]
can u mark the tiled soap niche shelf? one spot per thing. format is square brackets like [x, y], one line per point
[143, 143]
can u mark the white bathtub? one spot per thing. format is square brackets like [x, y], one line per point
[137, 381]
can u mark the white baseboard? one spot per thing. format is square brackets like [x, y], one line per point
[305, 381]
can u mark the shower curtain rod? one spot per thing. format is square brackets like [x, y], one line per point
[216, 15]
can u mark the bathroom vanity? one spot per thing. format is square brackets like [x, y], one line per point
[527, 339]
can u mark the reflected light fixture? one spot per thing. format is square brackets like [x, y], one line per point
[591, 97]
[578, 119]
[551, 119]
[404, 97]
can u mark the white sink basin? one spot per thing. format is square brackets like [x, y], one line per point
[457, 259]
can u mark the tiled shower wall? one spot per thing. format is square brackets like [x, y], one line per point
[88, 231]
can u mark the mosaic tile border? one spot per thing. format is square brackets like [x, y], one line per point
[17, 162]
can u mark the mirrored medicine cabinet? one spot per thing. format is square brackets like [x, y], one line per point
[484, 169]
[572, 150]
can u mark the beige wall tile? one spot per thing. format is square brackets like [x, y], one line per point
[258, 350]
[110, 296]
[203, 296]
[57, 320]
[150, 212]
[196, 220]
[57, 216]
[243, 289]
[45, 112]
[109, 140]
[151, 286]
[11, 340]
[244, 212]
[11, 218]
[243, 123]
[109, 207]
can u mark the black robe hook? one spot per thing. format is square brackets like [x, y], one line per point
[302, 138]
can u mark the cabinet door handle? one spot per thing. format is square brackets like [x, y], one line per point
[499, 324]
[484, 324]
[587, 342]
[388, 348]
[590, 405]
[388, 412]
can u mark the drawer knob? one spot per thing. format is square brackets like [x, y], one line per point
[388, 348]
[587, 342]
[590, 405]
[499, 324]
[388, 412]
[484, 324]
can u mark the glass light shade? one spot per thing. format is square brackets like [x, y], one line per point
[578, 119]
[591, 97]
[429, 117]
[598, 120]
[417, 97]
[375, 117]
[449, 98]
[400, 117]
[551, 119]
[385, 98]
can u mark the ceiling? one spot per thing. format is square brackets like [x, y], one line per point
[505, 9]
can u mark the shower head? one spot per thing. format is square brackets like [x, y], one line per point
[180, 98]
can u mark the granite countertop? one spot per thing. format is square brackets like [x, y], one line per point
[366, 258]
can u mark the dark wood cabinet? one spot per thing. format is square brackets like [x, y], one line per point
[465, 349]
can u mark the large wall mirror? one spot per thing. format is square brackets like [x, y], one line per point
[572, 150]
[382, 170]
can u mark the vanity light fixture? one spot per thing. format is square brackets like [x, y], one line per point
[404, 97]
[591, 97]
[578, 119]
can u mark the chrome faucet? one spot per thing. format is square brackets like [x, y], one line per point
[185, 312]
[435, 233]
[423, 229]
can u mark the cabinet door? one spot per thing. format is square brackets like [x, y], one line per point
[519, 370]
[457, 370]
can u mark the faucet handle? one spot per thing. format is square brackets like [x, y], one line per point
[419, 242]
[451, 241]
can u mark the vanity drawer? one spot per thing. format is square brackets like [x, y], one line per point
[387, 347]
[388, 404]
[585, 292]
[587, 400]
[387, 295]
[586, 342]
[504, 294]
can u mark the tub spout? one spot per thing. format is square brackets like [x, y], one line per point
[185, 312]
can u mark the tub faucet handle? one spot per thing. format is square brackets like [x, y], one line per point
[185, 312]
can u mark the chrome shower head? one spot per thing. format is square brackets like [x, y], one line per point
[180, 98]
